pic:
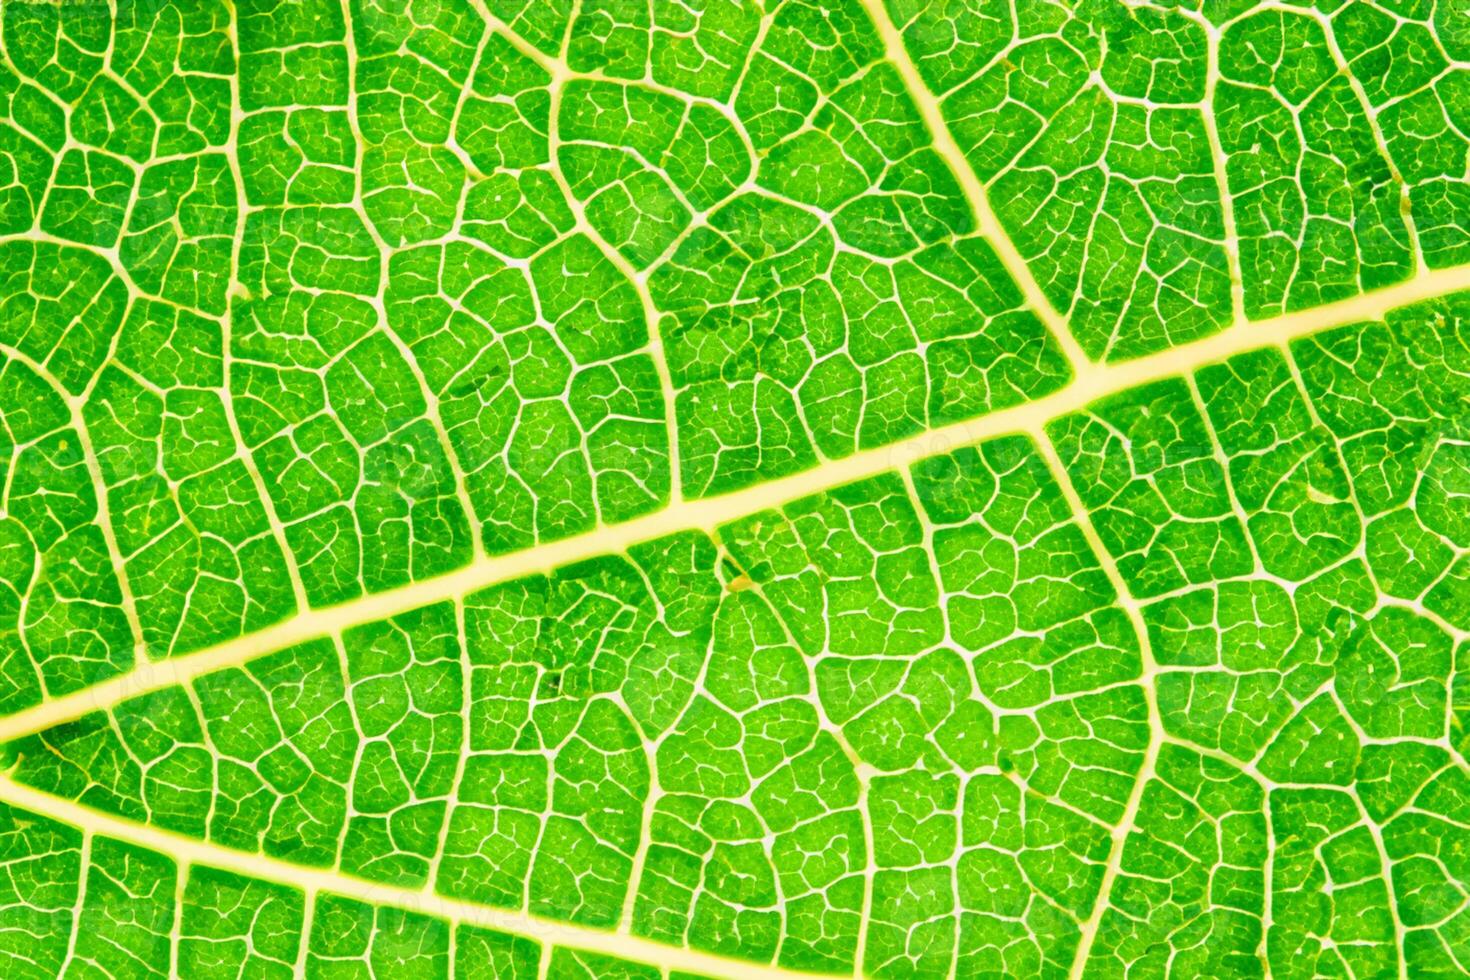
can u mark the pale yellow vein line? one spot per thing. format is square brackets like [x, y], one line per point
[707, 513]
[188, 851]
[1220, 160]
[1147, 679]
[945, 145]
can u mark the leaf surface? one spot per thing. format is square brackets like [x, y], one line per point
[940, 488]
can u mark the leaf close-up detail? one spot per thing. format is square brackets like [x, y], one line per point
[557, 489]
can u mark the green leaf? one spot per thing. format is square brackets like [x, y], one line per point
[886, 488]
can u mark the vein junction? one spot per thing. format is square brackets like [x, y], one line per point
[480, 490]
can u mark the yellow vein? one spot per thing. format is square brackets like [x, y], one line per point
[188, 851]
[1094, 382]
[945, 145]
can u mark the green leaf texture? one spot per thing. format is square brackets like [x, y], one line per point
[718, 488]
